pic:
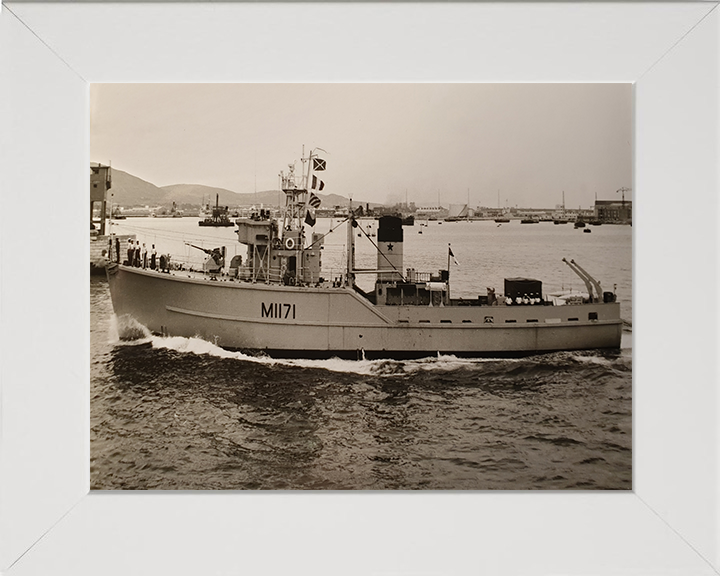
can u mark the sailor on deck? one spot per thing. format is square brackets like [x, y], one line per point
[491, 298]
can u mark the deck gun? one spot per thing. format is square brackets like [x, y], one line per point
[215, 261]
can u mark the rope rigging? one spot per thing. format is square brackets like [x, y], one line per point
[329, 231]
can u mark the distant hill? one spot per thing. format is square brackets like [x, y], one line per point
[194, 194]
[129, 190]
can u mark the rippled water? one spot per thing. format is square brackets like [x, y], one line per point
[177, 413]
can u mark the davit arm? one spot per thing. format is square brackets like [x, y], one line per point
[594, 282]
[585, 277]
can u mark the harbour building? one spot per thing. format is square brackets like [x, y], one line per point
[613, 211]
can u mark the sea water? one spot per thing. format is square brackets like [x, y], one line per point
[181, 413]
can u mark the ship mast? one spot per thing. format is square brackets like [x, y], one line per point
[296, 205]
[350, 262]
[292, 230]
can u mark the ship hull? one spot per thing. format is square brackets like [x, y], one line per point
[317, 322]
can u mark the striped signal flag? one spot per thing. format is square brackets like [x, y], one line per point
[315, 182]
[314, 200]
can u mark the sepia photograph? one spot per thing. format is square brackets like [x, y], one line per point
[361, 286]
[409, 288]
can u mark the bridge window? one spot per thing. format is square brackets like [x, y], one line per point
[592, 316]
[572, 319]
[510, 321]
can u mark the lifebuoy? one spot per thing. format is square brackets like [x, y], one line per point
[290, 243]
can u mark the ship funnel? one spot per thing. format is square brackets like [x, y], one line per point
[390, 245]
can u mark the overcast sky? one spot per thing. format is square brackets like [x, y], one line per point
[526, 143]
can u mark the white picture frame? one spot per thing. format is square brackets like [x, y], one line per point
[50, 523]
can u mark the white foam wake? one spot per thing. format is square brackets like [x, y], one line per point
[132, 333]
[125, 330]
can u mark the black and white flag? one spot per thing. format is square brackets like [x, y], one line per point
[315, 183]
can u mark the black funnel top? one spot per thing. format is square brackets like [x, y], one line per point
[390, 229]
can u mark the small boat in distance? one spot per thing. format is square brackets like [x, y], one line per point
[220, 215]
[173, 213]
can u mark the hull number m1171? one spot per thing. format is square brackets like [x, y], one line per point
[278, 310]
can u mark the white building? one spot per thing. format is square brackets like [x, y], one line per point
[429, 211]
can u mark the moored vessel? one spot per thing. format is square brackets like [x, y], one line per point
[220, 215]
[277, 300]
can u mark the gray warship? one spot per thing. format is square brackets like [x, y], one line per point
[277, 302]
